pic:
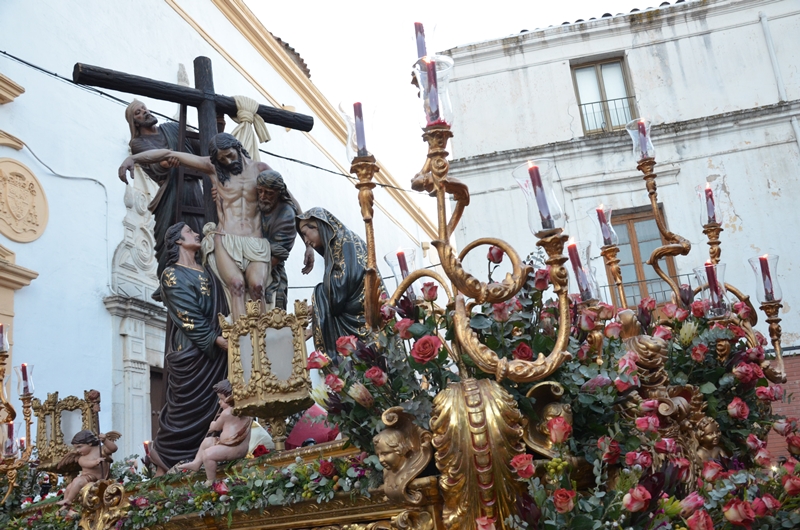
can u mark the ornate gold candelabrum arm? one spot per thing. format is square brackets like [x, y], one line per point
[712, 231]
[364, 167]
[676, 245]
[10, 466]
[609, 253]
[772, 310]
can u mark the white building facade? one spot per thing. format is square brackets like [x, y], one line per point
[87, 320]
[720, 80]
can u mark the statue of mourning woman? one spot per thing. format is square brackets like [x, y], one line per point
[338, 302]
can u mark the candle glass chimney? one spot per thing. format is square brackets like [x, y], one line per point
[24, 379]
[714, 294]
[639, 130]
[348, 113]
[433, 74]
[536, 179]
[8, 440]
[604, 230]
[708, 195]
[582, 274]
[402, 262]
[765, 269]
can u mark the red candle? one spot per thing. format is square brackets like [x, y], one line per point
[710, 208]
[577, 268]
[419, 31]
[360, 141]
[432, 92]
[541, 198]
[22, 444]
[643, 138]
[24, 372]
[403, 264]
[8, 448]
[713, 285]
[766, 277]
[147, 448]
[604, 226]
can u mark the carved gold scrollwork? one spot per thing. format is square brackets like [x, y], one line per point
[412, 520]
[50, 442]
[405, 450]
[103, 504]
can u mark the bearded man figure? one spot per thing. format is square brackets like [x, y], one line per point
[234, 249]
[148, 135]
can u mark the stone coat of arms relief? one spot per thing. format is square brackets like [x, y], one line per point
[23, 205]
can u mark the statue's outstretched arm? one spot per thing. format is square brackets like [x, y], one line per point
[200, 163]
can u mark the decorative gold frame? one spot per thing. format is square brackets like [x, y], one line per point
[51, 450]
[266, 396]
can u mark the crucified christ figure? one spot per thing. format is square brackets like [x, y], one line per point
[239, 254]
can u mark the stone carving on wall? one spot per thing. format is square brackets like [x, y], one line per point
[23, 205]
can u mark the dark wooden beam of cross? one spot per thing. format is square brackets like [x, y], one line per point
[208, 103]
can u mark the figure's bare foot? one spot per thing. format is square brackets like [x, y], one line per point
[209, 483]
[63, 504]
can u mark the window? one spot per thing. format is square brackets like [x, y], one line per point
[603, 96]
[638, 237]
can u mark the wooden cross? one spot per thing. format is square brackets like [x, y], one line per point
[209, 105]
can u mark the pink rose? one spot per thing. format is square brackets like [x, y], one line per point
[747, 372]
[793, 444]
[563, 500]
[361, 395]
[770, 502]
[681, 314]
[523, 465]
[346, 345]
[738, 512]
[606, 311]
[220, 488]
[401, 327]
[698, 308]
[648, 423]
[769, 393]
[583, 351]
[430, 291]
[587, 319]
[738, 409]
[755, 354]
[699, 353]
[622, 386]
[742, 310]
[711, 470]
[426, 349]
[682, 465]
[670, 310]
[317, 360]
[613, 330]
[785, 426]
[662, 332]
[485, 523]
[598, 381]
[559, 429]
[387, 312]
[642, 458]
[754, 443]
[791, 485]
[611, 450]
[761, 339]
[763, 458]
[737, 331]
[700, 520]
[693, 501]
[139, 502]
[541, 279]
[627, 362]
[637, 499]
[647, 304]
[649, 405]
[495, 254]
[377, 376]
[501, 312]
[523, 352]
[666, 446]
[334, 383]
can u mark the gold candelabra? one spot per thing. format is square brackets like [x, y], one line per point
[11, 464]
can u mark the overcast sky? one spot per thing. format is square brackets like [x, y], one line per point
[361, 50]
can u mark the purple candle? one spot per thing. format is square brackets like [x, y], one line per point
[24, 371]
[432, 92]
[541, 198]
[713, 285]
[643, 138]
[360, 141]
[710, 208]
[604, 226]
[766, 277]
[577, 268]
[403, 265]
[419, 31]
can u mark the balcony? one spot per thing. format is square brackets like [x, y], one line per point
[608, 115]
[656, 289]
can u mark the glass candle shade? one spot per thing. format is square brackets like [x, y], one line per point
[357, 127]
[433, 73]
[24, 379]
[402, 262]
[601, 218]
[766, 270]
[708, 194]
[536, 179]
[639, 130]
[581, 271]
[715, 297]
[7, 439]
[3, 338]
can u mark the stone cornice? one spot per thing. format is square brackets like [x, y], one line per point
[12, 275]
[9, 90]
[11, 141]
[123, 306]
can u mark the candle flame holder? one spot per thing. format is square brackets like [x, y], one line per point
[11, 464]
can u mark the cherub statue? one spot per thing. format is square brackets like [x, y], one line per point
[93, 455]
[404, 450]
[231, 443]
[708, 438]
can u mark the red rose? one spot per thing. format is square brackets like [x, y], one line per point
[541, 279]
[523, 465]
[647, 304]
[761, 339]
[738, 332]
[523, 352]
[770, 393]
[326, 468]
[763, 458]
[640, 458]
[141, 502]
[793, 444]
[346, 345]
[666, 446]
[791, 484]
[698, 309]
[691, 502]
[377, 376]
[559, 429]
[637, 499]
[610, 448]
[648, 423]
[670, 310]
[700, 520]
[426, 349]
[785, 426]
[747, 372]
[755, 354]
[738, 409]
[563, 500]
[711, 470]
[260, 450]
[430, 291]
[334, 383]
[495, 254]
[220, 488]
[699, 353]
[662, 332]
[317, 360]
[613, 330]
[401, 327]
[739, 512]
[681, 314]
[754, 443]
[742, 310]
[622, 386]
[682, 466]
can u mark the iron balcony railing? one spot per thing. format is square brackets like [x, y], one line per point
[608, 115]
[656, 289]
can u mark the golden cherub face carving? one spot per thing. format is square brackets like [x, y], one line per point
[391, 450]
